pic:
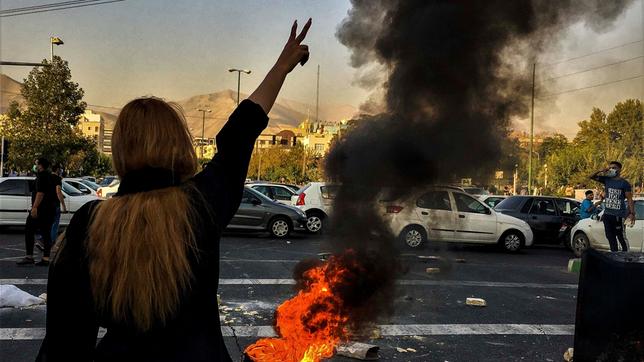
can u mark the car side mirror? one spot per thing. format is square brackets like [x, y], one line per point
[256, 202]
[488, 211]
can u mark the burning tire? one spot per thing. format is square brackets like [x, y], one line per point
[413, 236]
[579, 244]
[512, 241]
[314, 222]
[279, 227]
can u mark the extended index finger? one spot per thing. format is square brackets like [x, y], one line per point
[305, 30]
[293, 30]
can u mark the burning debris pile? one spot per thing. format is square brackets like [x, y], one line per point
[453, 73]
[325, 311]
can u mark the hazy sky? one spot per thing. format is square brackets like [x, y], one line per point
[177, 49]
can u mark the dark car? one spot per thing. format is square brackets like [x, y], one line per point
[550, 218]
[258, 212]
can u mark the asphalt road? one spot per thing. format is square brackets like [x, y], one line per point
[531, 300]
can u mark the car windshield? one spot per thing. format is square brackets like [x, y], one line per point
[107, 181]
[259, 194]
[511, 203]
[92, 185]
[70, 190]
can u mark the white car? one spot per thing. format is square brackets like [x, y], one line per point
[105, 192]
[15, 200]
[448, 214]
[589, 233]
[492, 200]
[315, 199]
[85, 186]
[278, 192]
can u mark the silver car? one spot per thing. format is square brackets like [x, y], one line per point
[260, 213]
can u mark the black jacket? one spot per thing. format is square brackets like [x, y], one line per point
[194, 332]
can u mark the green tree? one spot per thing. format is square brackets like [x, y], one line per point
[44, 125]
[292, 164]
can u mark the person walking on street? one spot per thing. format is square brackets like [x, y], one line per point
[42, 214]
[588, 207]
[58, 182]
[144, 264]
[618, 204]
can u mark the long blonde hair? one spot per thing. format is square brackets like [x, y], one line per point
[139, 243]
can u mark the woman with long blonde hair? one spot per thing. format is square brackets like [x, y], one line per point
[144, 264]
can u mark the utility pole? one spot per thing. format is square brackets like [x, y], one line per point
[534, 66]
[239, 72]
[203, 128]
[317, 97]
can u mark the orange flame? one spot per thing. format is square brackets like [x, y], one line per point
[310, 324]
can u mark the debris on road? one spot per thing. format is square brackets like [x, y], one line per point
[546, 297]
[12, 296]
[324, 256]
[574, 265]
[357, 350]
[43, 296]
[477, 302]
[429, 257]
[460, 260]
[405, 350]
[432, 270]
[568, 355]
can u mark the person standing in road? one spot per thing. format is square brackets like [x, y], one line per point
[144, 264]
[42, 214]
[588, 207]
[618, 204]
[58, 182]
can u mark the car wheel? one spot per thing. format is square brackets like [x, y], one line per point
[279, 227]
[413, 236]
[314, 222]
[512, 241]
[580, 243]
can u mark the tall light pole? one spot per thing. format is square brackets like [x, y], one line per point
[239, 72]
[203, 127]
[534, 68]
[54, 40]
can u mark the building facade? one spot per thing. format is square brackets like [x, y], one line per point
[92, 126]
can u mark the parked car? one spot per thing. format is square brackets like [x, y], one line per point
[475, 190]
[89, 178]
[258, 212]
[492, 200]
[315, 199]
[278, 192]
[550, 218]
[447, 214]
[108, 181]
[15, 200]
[106, 192]
[82, 185]
[589, 233]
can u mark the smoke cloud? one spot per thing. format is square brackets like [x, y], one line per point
[455, 73]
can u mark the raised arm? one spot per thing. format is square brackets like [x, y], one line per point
[294, 52]
[222, 181]
[597, 177]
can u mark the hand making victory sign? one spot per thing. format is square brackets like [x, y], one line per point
[294, 52]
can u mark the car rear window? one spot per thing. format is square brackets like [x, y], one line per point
[328, 192]
[511, 203]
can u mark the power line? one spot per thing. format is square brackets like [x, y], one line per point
[595, 68]
[62, 8]
[44, 6]
[590, 86]
[592, 53]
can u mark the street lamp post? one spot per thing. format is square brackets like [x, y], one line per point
[239, 72]
[54, 40]
[203, 128]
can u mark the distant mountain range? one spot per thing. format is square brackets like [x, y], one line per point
[285, 113]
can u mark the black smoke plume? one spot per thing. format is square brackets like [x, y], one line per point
[454, 73]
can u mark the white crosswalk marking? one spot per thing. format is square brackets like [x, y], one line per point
[388, 330]
[446, 283]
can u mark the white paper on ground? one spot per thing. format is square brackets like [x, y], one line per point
[12, 296]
